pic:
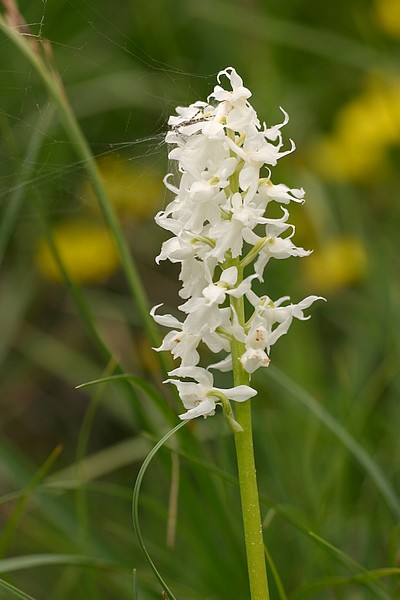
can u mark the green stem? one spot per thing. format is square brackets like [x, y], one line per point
[247, 473]
[250, 504]
[55, 89]
[14, 202]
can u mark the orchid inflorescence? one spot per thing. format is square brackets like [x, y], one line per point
[221, 233]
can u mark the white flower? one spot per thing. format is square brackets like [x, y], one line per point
[280, 193]
[284, 315]
[223, 237]
[268, 323]
[238, 113]
[277, 247]
[183, 343]
[201, 398]
[253, 359]
[205, 309]
[238, 94]
[267, 314]
[231, 232]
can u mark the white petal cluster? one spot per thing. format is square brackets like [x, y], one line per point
[220, 228]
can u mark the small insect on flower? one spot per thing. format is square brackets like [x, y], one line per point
[190, 122]
[182, 127]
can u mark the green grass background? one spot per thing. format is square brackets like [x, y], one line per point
[327, 414]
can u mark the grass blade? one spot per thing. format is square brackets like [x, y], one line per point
[290, 34]
[15, 591]
[14, 202]
[135, 506]
[275, 575]
[358, 452]
[30, 561]
[40, 59]
[12, 523]
[344, 559]
[143, 385]
[313, 587]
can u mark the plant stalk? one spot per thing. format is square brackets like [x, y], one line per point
[251, 513]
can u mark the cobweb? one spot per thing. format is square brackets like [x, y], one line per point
[121, 93]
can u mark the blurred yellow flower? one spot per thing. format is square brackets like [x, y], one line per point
[364, 131]
[134, 191]
[339, 263]
[86, 250]
[388, 16]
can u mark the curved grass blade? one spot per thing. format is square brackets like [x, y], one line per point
[135, 506]
[275, 575]
[30, 561]
[311, 588]
[39, 56]
[344, 559]
[140, 383]
[99, 464]
[78, 297]
[14, 203]
[15, 591]
[12, 523]
[85, 311]
[290, 34]
[81, 500]
[358, 452]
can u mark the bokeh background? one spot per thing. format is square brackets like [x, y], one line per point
[334, 67]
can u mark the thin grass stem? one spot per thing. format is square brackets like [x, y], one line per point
[52, 81]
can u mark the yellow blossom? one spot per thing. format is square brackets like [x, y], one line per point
[86, 250]
[388, 16]
[339, 263]
[364, 131]
[134, 192]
